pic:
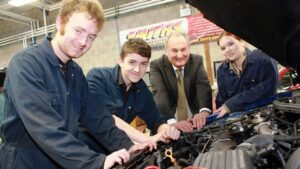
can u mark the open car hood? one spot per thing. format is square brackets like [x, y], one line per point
[273, 26]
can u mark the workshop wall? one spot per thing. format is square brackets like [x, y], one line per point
[105, 49]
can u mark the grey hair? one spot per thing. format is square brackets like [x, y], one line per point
[176, 34]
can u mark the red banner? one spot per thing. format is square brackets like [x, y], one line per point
[202, 30]
[197, 27]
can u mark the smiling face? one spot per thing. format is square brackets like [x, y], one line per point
[232, 48]
[133, 67]
[74, 38]
[177, 50]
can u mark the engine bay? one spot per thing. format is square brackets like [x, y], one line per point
[266, 137]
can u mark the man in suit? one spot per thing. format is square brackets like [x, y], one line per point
[197, 90]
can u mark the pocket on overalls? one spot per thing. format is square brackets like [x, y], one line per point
[55, 101]
[7, 156]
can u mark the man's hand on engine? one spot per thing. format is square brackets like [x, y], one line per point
[184, 125]
[166, 133]
[199, 119]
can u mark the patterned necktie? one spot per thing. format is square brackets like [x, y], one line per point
[181, 102]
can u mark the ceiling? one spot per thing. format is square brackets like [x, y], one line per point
[23, 15]
[11, 13]
[33, 24]
[39, 3]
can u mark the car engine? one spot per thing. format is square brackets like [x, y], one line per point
[266, 137]
[266, 134]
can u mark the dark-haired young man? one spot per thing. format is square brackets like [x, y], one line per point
[125, 94]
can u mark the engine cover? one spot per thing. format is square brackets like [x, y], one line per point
[231, 159]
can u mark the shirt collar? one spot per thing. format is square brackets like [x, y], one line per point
[233, 67]
[52, 57]
[175, 68]
[120, 78]
[47, 47]
[121, 82]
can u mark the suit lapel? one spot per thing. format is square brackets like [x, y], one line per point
[187, 77]
[171, 76]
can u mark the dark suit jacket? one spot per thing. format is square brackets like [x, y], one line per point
[164, 84]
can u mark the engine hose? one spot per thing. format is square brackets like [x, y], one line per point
[283, 121]
[159, 159]
[296, 125]
[287, 107]
[205, 145]
[281, 158]
[199, 144]
[183, 162]
[182, 151]
[287, 138]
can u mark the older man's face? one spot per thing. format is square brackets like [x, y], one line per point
[178, 51]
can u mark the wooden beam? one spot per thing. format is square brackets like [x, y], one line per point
[208, 62]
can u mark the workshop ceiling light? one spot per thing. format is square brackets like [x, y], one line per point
[19, 2]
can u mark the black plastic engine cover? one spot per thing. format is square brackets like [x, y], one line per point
[237, 159]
